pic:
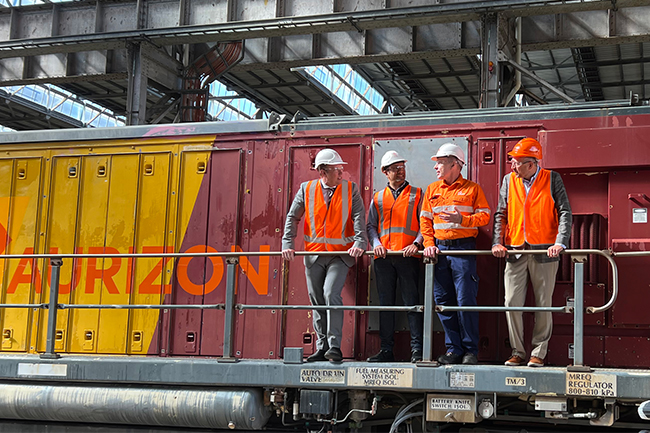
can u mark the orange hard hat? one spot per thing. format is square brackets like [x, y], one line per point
[527, 148]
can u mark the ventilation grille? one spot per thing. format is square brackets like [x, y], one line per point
[588, 232]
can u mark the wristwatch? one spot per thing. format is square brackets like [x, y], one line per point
[419, 245]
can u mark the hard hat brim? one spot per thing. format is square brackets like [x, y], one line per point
[437, 155]
[326, 164]
[522, 155]
[394, 162]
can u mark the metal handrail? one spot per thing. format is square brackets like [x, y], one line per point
[572, 252]
[141, 306]
[630, 253]
[579, 257]
[411, 308]
[43, 306]
[590, 310]
[612, 299]
[491, 309]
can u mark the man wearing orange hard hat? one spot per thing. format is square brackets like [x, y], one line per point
[533, 213]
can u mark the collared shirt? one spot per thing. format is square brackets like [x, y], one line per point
[328, 192]
[373, 217]
[529, 183]
[398, 191]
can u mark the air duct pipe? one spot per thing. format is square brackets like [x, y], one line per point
[241, 409]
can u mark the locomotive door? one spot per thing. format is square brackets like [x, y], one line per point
[299, 331]
[489, 162]
[21, 188]
[107, 203]
[419, 173]
[150, 281]
[492, 164]
[629, 230]
[208, 220]
[258, 332]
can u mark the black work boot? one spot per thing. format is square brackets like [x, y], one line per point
[470, 359]
[334, 354]
[319, 355]
[382, 356]
[450, 358]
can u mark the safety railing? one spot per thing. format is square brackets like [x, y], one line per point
[579, 258]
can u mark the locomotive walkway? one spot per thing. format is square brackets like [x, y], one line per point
[49, 370]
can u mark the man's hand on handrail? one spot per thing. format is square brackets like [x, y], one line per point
[431, 252]
[410, 250]
[379, 251]
[356, 252]
[555, 250]
[288, 254]
[499, 251]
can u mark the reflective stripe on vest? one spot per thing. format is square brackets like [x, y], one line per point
[532, 216]
[447, 226]
[328, 228]
[398, 219]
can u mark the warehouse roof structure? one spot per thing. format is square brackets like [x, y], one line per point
[153, 61]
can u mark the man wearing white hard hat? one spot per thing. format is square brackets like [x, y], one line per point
[393, 225]
[335, 222]
[452, 211]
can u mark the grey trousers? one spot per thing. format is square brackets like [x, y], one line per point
[542, 277]
[325, 280]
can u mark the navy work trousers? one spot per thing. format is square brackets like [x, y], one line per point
[388, 272]
[456, 284]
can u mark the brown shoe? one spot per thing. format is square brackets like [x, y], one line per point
[515, 360]
[535, 362]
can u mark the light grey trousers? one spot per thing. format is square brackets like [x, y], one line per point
[325, 280]
[542, 277]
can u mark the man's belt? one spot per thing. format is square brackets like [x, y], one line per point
[454, 242]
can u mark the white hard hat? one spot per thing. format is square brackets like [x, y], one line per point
[391, 157]
[328, 157]
[450, 149]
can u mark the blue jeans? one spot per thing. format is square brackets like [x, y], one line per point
[456, 284]
[388, 272]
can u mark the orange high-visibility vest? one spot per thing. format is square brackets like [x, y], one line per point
[398, 219]
[328, 228]
[532, 217]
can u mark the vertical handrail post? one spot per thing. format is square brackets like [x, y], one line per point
[231, 276]
[429, 306]
[52, 308]
[578, 310]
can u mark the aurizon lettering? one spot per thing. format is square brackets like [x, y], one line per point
[149, 272]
